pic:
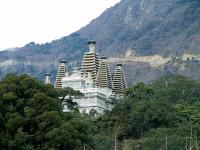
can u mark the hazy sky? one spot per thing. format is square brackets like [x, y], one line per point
[23, 21]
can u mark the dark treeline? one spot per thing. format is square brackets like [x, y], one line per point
[162, 115]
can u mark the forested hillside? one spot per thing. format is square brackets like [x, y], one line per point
[163, 113]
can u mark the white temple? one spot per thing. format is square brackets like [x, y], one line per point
[93, 80]
[95, 98]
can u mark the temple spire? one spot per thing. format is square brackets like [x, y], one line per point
[104, 77]
[61, 73]
[119, 82]
[47, 78]
[90, 63]
[91, 46]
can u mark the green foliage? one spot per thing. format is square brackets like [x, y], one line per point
[140, 92]
[66, 96]
[31, 117]
[177, 88]
[169, 107]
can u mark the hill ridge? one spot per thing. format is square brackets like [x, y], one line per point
[167, 28]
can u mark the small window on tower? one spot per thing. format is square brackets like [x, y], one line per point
[82, 84]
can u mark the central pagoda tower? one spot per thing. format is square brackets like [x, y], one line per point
[90, 63]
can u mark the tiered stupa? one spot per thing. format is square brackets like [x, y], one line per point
[104, 79]
[60, 75]
[90, 63]
[119, 82]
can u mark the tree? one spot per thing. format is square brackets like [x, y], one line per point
[31, 116]
[177, 88]
[140, 92]
[66, 96]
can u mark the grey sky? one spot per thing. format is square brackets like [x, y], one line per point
[23, 21]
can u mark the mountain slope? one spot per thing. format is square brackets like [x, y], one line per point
[148, 27]
[131, 29]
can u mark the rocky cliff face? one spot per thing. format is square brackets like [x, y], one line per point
[151, 38]
[148, 27]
